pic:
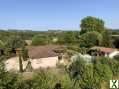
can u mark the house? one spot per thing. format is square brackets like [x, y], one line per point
[39, 57]
[44, 51]
[101, 51]
[114, 54]
[44, 56]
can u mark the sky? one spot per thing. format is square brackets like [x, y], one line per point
[56, 14]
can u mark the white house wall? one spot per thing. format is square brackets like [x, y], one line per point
[13, 63]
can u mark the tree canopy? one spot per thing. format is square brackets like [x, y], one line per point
[39, 39]
[106, 41]
[90, 39]
[15, 42]
[90, 23]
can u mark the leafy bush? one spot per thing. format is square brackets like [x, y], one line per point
[82, 73]
[24, 84]
[114, 66]
[39, 40]
[47, 80]
[102, 73]
[7, 80]
[90, 76]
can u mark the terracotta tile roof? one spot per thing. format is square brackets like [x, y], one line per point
[104, 49]
[107, 50]
[43, 51]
